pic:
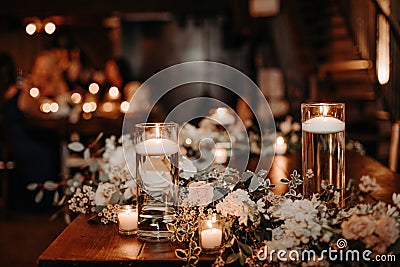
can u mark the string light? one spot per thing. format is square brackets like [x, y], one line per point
[34, 92]
[94, 88]
[76, 98]
[124, 106]
[49, 27]
[30, 28]
[113, 92]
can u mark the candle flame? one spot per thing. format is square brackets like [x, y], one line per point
[324, 110]
[158, 134]
[280, 140]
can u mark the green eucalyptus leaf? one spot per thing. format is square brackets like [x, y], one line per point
[193, 260]
[181, 254]
[86, 154]
[115, 198]
[56, 198]
[67, 218]
[196, 251]
[242, 258]
[76, 146]
[32, 186]
[232, 258]
[245, 248]
[39, 196]
[284, 181]
[50, 185]
[103, 177]
[93, 166]
[171, 227]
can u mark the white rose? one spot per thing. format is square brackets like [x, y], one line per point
[104, 193]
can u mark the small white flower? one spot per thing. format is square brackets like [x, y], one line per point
[368, 184]
[104, 193]
[396, 199]
[261, 205]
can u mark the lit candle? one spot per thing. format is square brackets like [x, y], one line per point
[211, 237]
[323, 125]
[128, 220]
[223, 116]
[221, 155]
[157, 146]
[280, 146]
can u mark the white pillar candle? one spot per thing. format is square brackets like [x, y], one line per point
[280, 146]
[211, 238]
[221, 155]
[157, 146]
[323, 125]
[128, 220]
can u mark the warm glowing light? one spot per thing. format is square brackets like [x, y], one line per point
[188, 141]
[124, 106]
[76, 98]
[280, 140]
[45, 107]
[383, 50]
[113, 92]
[30, 28]
[324, 110]
[50, 28]
[94, 88]
[54, 107]
[107, 106]
[93, 106]
[158, 135]
[87, 107]
[87, 116]
[34, 92]
[221, 111]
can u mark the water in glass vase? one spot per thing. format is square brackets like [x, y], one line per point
[324, 154]
[157, 176]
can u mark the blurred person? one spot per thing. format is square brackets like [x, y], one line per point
[46, 75]
[37, 152]
[118, 73]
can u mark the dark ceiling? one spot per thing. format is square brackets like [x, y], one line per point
[88, 12]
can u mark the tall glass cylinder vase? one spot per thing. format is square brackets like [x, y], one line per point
[323, 147]
[157, 177]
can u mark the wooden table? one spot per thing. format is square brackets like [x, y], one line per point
[84, 244]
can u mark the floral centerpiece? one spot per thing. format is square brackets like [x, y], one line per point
[103, 182]
[265, 228]
[260, 227]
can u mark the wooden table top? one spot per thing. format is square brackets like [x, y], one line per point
[84, 244]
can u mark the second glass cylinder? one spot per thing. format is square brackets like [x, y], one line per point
[323, 147]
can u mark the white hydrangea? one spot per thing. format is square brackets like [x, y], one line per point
[239, 204]
[301, 223]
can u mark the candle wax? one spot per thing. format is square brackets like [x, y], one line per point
[128, 220]
[211, 238]
[221, 155]
[157, 146]
[323, 125]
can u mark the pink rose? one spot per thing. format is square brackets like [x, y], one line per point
[386, 229]
[357, 227]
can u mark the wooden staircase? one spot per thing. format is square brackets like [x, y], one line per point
[334, 67]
